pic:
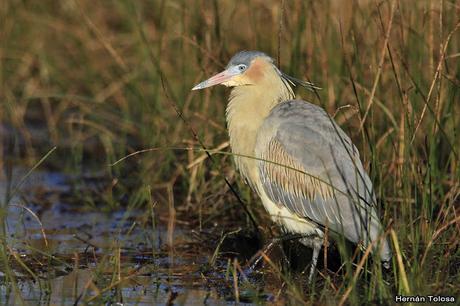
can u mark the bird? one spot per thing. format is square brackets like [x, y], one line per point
[303, 166]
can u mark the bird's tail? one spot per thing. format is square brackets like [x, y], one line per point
[385, 254]
[381, 246]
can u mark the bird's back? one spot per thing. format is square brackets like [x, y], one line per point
[310, 166]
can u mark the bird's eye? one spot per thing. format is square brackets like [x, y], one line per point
[242, 67]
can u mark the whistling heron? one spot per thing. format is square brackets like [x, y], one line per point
[300, 162]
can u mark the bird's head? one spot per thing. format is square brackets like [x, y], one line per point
[250, 68]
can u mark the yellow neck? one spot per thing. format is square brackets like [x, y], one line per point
[247, 109]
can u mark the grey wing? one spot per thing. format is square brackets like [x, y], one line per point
[309, 165]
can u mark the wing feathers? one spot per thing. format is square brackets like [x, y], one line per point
[290, 175]
[287, 182]
[309, 165]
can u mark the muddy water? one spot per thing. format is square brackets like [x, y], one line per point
[76, 254]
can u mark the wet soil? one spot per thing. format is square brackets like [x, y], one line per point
[62, 253]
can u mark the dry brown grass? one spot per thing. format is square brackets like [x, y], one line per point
[85, 76]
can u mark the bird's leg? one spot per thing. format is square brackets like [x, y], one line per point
[271, 244]
[315, 243]
[267, 248]
[314, 261]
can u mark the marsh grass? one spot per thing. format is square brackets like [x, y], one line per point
[100, 81]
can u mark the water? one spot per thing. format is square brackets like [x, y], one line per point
[78, 254]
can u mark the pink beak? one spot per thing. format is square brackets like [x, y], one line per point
[219, 78]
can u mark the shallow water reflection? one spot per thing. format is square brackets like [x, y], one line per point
[65, 255]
